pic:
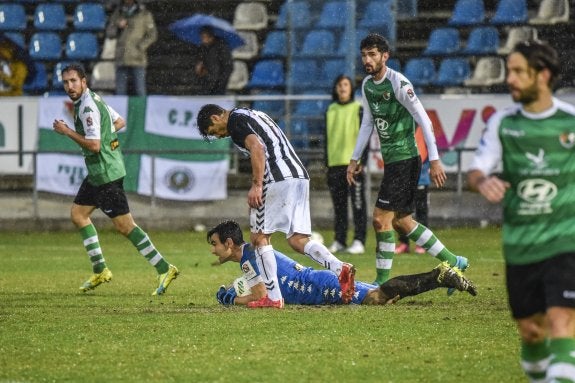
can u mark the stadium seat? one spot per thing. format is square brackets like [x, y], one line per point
[420, 71]
[267, 74]
[378, 16]
[50, 17]
[515, 35]
[318, 43]
[103, 76]
[299, 15]
[551, 12]
[394, 64]
[17, 38]
[334, 14]
[249, 49]
[482, 41]
[443, 42]
[275, 45]
[275, 108]
[452, 72]
[239, 77]
[344, 43]
[12, 17]
[297, 132]
[328, 71]
[57, 75]
[250, 16]
[108, 49]
[89, 17]
[45, 46]
[303, 74]
[488, 71]
[39, 82]
[82, 46]
[510, 12]
[467, 13]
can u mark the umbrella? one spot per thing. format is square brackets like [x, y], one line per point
[188, 29]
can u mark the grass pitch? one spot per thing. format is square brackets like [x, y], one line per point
[50, 332]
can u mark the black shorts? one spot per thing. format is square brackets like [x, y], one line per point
[398, 186]
[535, 287]
[110, 197]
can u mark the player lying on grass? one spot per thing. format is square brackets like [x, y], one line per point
[306, 286]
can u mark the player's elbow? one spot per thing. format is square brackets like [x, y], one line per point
[94, 146]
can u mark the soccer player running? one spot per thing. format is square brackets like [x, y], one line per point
[535, 140]
[391, 106]
[95, 126]
[278, 197]
[305, 286]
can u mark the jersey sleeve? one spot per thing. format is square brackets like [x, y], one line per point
[239, 128]
[407, 97]
[365, 129]
[113, 114]
[90, 117]
[489, 152]
[250, 269]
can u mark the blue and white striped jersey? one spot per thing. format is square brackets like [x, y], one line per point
[282, 162]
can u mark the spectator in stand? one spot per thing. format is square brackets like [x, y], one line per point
[135, 30]
[342, 121]
[13, 72]
[215, 64]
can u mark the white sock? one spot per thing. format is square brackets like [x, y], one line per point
[321, 255]
[266, 261]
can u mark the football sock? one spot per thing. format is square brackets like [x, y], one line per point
[92, 246]
[535, 359]
[384, 255]
[562, 362]
[266, 260]
[142, 242]
[425, 238]
[320, 254]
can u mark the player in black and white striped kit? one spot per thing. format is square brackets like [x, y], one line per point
[278, 197]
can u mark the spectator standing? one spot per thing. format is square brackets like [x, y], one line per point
[13, 72]
[342, 123]
[214, 65]
[135, 30]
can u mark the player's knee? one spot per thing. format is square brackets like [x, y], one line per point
[532, 331]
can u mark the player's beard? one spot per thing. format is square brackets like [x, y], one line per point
[526, 96]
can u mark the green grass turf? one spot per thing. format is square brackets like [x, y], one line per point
[50, 332]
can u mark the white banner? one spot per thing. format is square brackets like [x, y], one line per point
[184, 180]
[60, 173]
[176, 116]
[18, 133]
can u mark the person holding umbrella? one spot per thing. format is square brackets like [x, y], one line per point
[214, 65]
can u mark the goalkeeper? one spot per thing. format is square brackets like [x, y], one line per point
[306, 286]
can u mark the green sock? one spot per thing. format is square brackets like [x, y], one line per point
[92, 246]
[562, 362]
[535, 360]
[140, 239]
[384, 255]
[425, 238]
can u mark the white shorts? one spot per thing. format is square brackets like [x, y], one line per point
[285, 209]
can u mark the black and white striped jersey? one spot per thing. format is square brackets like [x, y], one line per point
[282, 162]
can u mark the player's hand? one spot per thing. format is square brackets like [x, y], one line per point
[60, 126]
[437, 173]
[353, 169]
[255, 196]
[493, 188]
[226, 297]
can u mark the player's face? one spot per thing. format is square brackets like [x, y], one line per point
[219, 127]
[74, 86]
[521, 79]
[343, 90]
[373, 60]
[219, 249]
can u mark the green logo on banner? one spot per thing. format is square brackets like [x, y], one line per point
[180, 118]
[76, 174]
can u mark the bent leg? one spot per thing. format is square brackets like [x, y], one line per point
[303, 244]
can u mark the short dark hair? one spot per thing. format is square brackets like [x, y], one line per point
[540, 55]
[225, 230]
[334, 95]
[375, 40]
[204, 118]
[76, 67]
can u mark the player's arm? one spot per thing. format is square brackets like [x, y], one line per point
[91, 144]
[258, 162]
[117, 120]
[257, 292]
[365, 130]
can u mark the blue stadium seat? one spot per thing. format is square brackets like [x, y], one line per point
[275, 45]
[467, 12]
[17, 38]
[300, 15]
[38, 82]
[267, 74]
[297, 132]
[452, 72]
[82, 46]
[394, 64]
[303, 73]
[56, 83]
[50, 17]
[334, 14]
[360, 33]
[375, 14]
[420, 71]
[443, 42]
[45, 46]
[318, 43]
[482, 41]
[275, 108]
[510, 12]
[328, 71]
[12, 17]
[89, 16]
